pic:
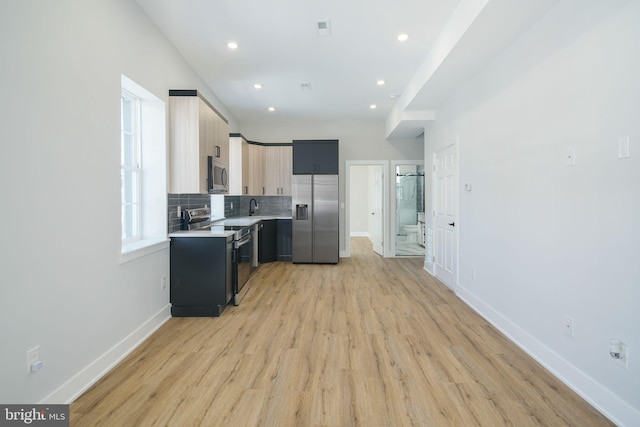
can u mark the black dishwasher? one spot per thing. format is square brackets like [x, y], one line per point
[201, 275]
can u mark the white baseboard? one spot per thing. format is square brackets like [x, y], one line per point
[84, 379]
[359, 234]
[601, 398]
[428, 268]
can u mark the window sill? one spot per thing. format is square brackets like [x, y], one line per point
[142, 248]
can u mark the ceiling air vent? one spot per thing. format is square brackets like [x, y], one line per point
[323, 28]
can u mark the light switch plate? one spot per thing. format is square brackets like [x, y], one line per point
[623, 147]
[33, 356]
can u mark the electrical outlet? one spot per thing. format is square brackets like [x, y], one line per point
[473, 273]
[568, 326]
[33, 356]
[163, 283]
[623, 362]
[620, 352]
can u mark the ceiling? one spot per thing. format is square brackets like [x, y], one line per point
[307, 75]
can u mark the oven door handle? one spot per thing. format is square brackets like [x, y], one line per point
[243, 241]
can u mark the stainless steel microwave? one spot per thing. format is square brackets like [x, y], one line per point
[217, 177]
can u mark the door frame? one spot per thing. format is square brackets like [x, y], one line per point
[385, 202]
[455, 144]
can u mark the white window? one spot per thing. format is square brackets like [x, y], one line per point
[130, 169]
[143, 172]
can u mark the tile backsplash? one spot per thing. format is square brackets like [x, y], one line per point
[267, 205]
[185, 201]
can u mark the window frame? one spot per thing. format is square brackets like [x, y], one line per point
[133, 170]
[152, 160]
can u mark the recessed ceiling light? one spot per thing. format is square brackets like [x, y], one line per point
[257, 86]
[373, 106]
[380, 82]
[232, 45]
[403, 37]
[272, 108]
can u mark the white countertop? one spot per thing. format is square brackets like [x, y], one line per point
[248, 220]
[217, 228]
[216, 231]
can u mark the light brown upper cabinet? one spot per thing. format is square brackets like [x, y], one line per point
[266, 169]
[196, 131]
[278, 170]
[221, 147]
[253, 169]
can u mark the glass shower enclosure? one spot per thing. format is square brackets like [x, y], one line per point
[409, 210]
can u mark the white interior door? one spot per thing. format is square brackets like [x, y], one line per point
[445, 210]
[376, 179]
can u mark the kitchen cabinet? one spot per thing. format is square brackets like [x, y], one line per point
[284, 240]
[315, 157]
[196, 131]
[201, 275]
[268, 241]
[236, 142]
[253, 169]
[245, 167]
[266, 168]
[274, 240]
[221, 143]
[278, 170]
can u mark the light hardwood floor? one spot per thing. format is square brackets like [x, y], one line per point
[369, 342]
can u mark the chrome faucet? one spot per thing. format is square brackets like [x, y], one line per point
[253, 204]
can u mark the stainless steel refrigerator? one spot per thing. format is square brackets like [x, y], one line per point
[315, 222]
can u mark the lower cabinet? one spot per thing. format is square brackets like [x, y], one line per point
[284, 240]
[274, 240]
[201, 276]
[267, 239]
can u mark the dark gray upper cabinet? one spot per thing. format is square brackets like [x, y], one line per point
[315, 157]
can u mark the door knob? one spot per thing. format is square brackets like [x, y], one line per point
[452, 224]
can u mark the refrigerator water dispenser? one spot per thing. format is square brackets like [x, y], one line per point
[302, 212]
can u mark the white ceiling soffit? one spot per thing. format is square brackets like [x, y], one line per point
[476, 32]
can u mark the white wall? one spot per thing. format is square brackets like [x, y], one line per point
[359, 140]
[547, 240]
[63, 287]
